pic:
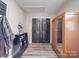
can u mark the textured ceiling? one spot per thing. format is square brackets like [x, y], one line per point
[50, 6]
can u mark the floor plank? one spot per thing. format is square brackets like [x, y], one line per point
[40, 50]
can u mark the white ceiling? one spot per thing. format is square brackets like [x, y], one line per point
[50, 6]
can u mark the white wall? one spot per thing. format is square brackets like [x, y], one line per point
[15, 15]
[29, 17]
[71, 6]
[4, 1]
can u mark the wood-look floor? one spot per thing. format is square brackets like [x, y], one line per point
[39, 50]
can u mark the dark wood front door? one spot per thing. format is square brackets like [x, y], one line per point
[40, 30]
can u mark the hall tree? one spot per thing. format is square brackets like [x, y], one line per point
[65, 34]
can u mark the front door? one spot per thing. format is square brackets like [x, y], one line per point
[40, 30]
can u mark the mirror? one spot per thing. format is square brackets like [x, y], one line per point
[59, 33]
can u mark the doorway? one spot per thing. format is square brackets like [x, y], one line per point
[41, 30]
